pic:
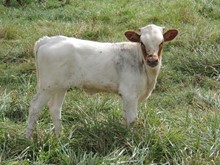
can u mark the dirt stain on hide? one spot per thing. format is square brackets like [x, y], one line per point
[128, 60]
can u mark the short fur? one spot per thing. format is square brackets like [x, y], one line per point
[121, 68]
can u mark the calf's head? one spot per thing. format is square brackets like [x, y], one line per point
[151, 38]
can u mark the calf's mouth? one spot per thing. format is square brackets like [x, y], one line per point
[152, 60]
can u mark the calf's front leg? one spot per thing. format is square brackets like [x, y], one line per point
[130, 109]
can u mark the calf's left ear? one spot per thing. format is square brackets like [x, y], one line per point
[132, 36]
[170, 35]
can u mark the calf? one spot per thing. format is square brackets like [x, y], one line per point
[129, 69]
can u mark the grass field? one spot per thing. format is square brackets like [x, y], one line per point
[179, 124]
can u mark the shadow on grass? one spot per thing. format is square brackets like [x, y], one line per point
[100, 138]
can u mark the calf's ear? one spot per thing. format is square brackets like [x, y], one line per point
[132, 36]
[170, 35]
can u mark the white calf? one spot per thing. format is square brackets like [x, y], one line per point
[129, 69]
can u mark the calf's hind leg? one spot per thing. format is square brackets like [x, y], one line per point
[36, 106]
[55, 104]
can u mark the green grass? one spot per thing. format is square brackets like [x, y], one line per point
[179, 124]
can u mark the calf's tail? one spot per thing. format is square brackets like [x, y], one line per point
[37, 45]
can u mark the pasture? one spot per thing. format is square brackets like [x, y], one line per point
[180, 122]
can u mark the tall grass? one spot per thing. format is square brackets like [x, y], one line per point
[179, 124]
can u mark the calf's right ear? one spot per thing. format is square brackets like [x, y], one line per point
[132, 36]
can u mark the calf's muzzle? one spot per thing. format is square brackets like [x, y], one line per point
[152, 60]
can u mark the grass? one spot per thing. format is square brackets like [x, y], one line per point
[179, 124]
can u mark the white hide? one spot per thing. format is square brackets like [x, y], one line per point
[63, 62]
